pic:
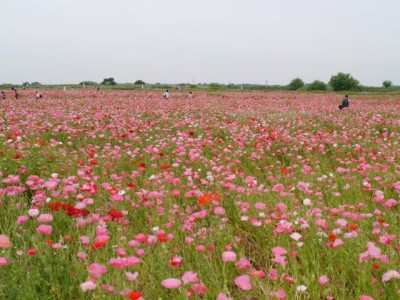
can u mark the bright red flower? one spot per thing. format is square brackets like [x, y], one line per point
[31, 252]
[332, 237]
[115, 214]
[135, 295]
[162, 237]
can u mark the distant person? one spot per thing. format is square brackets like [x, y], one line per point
[38, 95]
[16, 94]
[98, 88]
[190, 96]
[345, 102]
[3, 95]
[12, 88]
[166, 95]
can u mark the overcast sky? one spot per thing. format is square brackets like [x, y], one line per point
[235, 41]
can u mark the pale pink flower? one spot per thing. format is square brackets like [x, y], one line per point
[278, 251]
[107, 288]
[337, 243]
[228, 256]
[131, 276]
[295, 236]
[96, 270]
[3, 261]
[171, 283]
[323, 280]
[243, 264]
[88, 286]
[365, 297]
[279, 294]
[190, 276]
[243, 282]
[21, 219]
[199, 288]
[4, 241]
[44, 218]
[222, 296]
[33, 212]
[390, 275]
[44, 229]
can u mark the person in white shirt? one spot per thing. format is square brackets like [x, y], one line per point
[166, 95]
[38, 95]
[190, 96]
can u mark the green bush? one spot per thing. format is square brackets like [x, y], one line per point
[387, 83]
[295, 84]
[343, 82]
[317, 85]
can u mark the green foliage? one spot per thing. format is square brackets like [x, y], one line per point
[108, 81]
[295, 84]
[214, 86]
[343, 82]
[317, 85]
[88, 83]
[36, 84]
[387, 83]
[26, 84]
[193, 86]
[139, 82]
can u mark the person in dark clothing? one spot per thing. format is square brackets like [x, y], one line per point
[3, 95]
[16, 94]
[345, 102]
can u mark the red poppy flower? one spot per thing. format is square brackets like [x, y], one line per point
[115, 214]
[162, 237]
[332, 237]
[135, 295]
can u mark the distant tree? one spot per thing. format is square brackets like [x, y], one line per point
[36, 84]
[108, 81]
[387, 83]
[88, 83]
[295, 84]
[26, 84]
[192, 86]
[139, 82]
[214, 86]
[317, 85]
[343, 82]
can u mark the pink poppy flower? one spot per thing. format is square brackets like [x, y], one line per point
[243, 282]
[279, 294]
[88, 286]
[45, 218]
[96, 270]
[171, 283]
[199, 288]
[3, 261]
[243, 264]
[21, 219]
[228, 256]
[44, 229]
[4, 241]
[365, 297]
[190, 276]
[222, 296]
[323, 280]
[391, 274]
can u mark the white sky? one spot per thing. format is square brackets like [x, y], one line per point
[235, 41]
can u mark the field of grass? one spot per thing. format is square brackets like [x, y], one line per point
[125, 195]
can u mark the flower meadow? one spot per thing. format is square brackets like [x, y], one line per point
[125, 195]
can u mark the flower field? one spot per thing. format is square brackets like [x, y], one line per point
[125, 195]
